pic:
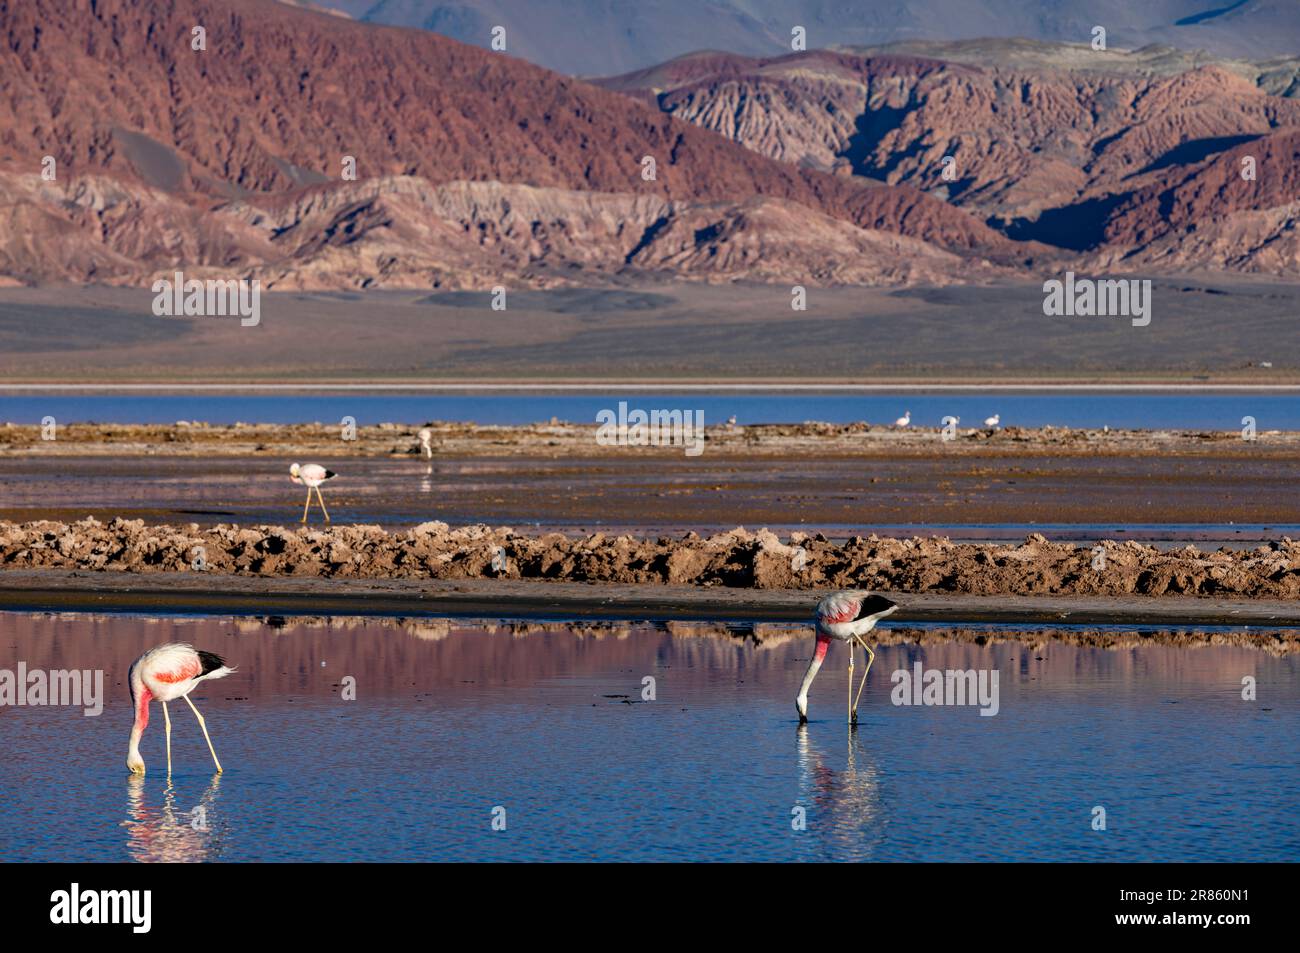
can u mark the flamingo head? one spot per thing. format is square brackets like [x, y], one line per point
[293, 473]
[801, 706]
[135, 763]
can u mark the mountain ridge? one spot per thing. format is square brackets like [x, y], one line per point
[271, 108]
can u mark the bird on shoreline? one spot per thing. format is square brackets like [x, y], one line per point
[905, 420]
[992, 421]
[426, 442]
[843, 617]
[166, 673]
[312, 476]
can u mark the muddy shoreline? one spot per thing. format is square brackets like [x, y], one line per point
[1168, 487]
[737, 560]
[1271, 624]
[561, 438]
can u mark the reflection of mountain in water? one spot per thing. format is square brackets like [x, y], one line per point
[459, 657]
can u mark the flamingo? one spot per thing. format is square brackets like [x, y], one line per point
[992, 421]
[168, 672]
[312, 475]
[905, 420]
[426, 442]
[844, 617]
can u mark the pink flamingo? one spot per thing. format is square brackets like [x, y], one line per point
[844, 617]
[168, 672]
[312, 475]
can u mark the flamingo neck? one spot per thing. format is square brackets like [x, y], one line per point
[141, 696]
[819, 656]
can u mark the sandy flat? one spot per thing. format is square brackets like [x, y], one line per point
[656, 333]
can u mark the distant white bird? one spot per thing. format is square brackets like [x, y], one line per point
[312, 476]
[165, 673]
[500, 561]
[905, 420]
[844, 617]
[426, 442]
[731, 421]
[992, 421]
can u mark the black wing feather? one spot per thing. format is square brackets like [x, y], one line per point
[873, 605]
[210, 662]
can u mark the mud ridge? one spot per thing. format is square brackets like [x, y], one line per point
[738, 558]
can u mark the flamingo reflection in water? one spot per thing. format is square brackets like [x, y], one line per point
[845, 815]
[168, 833]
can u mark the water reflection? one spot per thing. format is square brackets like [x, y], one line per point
[452, 717]
[843, 803]
[169, 833]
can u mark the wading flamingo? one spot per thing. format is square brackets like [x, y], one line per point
[312, 476]
[843, 617]
[426, 442]
[165, 673]
[905, 420]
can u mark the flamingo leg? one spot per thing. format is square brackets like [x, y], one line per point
[853, 715]
[168, 719]
[871, 657]
[205, 732]
[322, 505]
[305, 505]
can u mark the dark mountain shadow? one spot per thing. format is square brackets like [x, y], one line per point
[871, 128]
[1076, 227]
[1209, 14]
[1195, 151]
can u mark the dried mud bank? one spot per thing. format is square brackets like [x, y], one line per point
[559, 438]
[736, 559]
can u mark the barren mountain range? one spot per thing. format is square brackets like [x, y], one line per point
[476, 169]
[1137, 158]
[596, 37]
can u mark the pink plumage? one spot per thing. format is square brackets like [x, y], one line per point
[843, 617]
[164, 674]
[312, 475]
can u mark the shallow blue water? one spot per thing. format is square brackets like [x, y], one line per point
[453, 720]
[1220, 411]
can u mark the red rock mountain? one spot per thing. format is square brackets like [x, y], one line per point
[1083, 150]
[230, 158]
